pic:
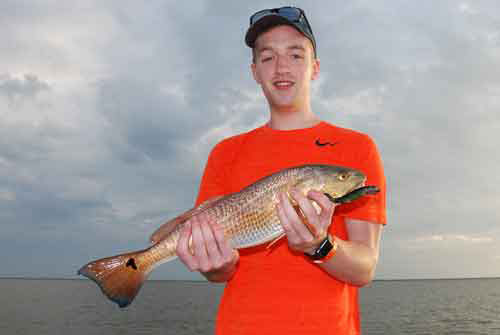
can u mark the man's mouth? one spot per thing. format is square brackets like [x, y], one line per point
[283, 84]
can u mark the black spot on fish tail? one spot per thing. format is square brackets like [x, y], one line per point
[131, 263]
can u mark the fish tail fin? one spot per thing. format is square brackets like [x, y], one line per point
[119, 277]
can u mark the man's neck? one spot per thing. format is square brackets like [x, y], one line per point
[290, 119]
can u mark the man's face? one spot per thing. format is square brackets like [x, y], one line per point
[284, 67]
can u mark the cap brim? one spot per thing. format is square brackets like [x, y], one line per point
[264, 24]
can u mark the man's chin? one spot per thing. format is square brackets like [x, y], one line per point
[284, 104]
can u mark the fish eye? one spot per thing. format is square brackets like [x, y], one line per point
[343, 176]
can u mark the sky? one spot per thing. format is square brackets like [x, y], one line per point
[108, 110]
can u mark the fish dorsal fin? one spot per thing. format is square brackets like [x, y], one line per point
[166, 228]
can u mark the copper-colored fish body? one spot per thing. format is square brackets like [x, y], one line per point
[248, 218]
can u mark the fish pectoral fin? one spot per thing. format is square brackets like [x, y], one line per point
[275, 240]
[166, 228]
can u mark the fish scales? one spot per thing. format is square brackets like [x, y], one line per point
[251, 218]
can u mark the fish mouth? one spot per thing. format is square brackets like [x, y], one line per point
[354, 194]
[367, 189]
[359, 185]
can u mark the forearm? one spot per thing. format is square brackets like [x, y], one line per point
[353, 262]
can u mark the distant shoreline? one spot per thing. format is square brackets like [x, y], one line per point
[204, 281]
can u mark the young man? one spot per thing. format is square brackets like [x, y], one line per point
[281, 291]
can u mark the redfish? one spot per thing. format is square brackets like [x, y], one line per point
[248, 218]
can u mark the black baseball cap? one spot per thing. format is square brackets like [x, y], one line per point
[266, 19]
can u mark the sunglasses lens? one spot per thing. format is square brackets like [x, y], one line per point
[287, 12]
[290, 13]
[259, 15]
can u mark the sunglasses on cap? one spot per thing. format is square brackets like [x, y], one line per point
[267, 18]
[291, 13]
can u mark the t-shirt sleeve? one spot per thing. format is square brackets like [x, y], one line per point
[371, 207]
[213, 180]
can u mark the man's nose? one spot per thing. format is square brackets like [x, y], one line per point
[282, 64]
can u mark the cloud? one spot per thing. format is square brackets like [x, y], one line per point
[455, 238]
[7, 195]
[105, 127]
[29, 86]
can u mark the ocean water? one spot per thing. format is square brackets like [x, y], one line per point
[30, 306]
[458, 306]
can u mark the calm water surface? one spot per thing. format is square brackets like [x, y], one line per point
[465, 306]
[168, 307]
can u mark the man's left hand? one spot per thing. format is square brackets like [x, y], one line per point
[305, 236]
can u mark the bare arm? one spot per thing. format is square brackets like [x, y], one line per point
[210, 253]
[355, 260]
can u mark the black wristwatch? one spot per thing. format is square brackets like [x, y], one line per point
[326, 248]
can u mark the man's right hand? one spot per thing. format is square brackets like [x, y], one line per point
[210, 253]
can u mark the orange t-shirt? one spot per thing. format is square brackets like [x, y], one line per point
[278, 291]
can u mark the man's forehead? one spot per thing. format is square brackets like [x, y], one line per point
[270, 47]
[282, 36]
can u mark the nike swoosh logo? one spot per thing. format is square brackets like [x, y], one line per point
[319, 144]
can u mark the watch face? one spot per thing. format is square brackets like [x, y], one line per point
[324, 248]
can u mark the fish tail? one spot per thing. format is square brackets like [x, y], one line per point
[119, 277]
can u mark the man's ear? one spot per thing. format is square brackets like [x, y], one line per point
[254, 73]
[315, 69]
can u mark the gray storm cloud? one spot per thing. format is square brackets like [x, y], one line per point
[105, 126]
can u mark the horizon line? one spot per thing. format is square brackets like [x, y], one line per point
[204, 280]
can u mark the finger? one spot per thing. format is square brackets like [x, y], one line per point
[213, 253]
[223, 244]
[183, 241]
[306, 212]
[295, 221]
[321, 199]
[182, 249]
[292, 225]
[228, 253]
[327, 207]
[304, 220]
[305, 205]
[200, 251]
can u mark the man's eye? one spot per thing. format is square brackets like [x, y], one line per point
[297, 56]
[265, 59]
